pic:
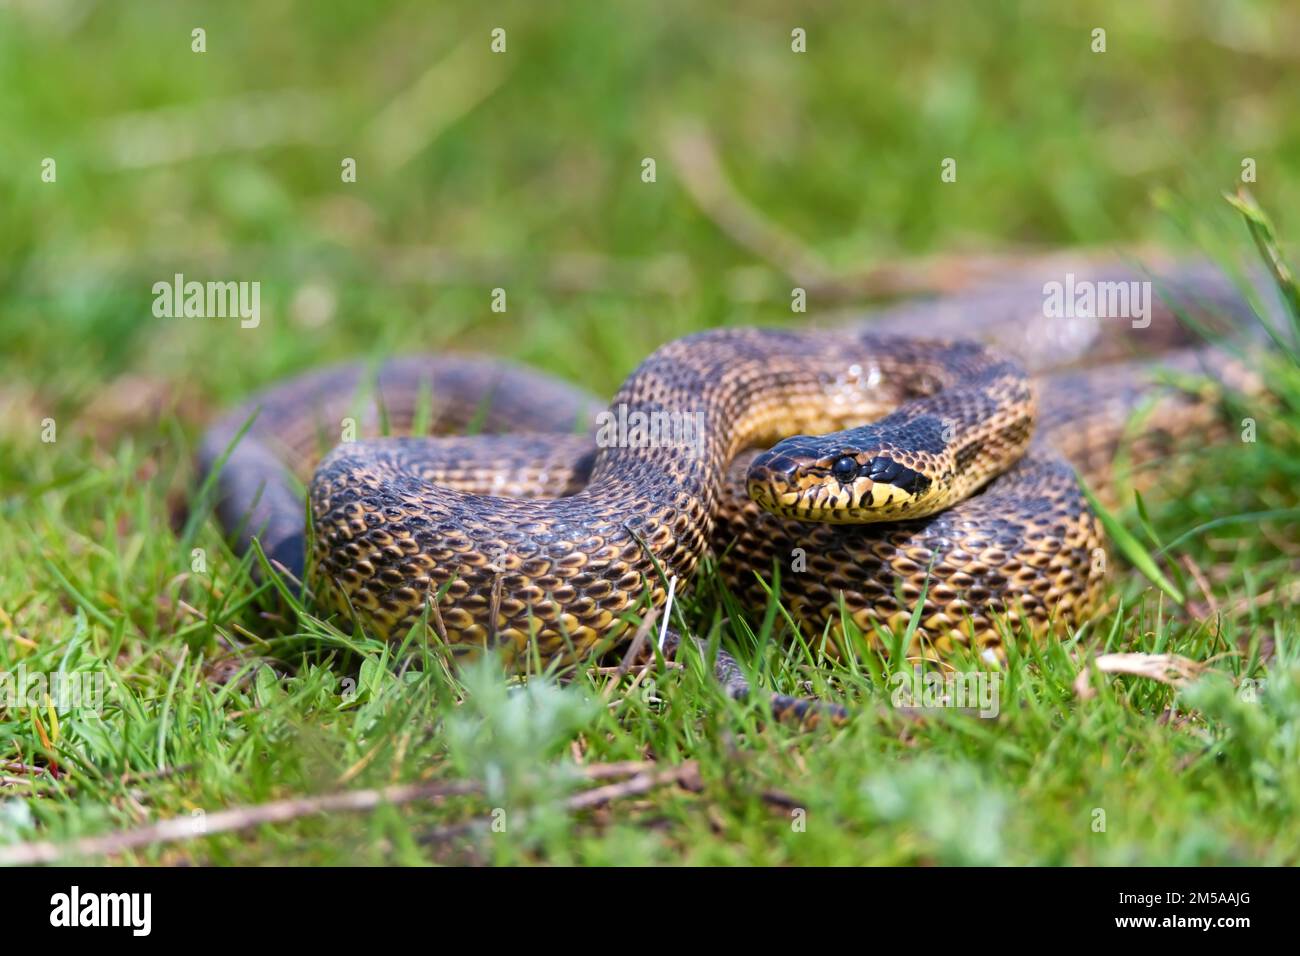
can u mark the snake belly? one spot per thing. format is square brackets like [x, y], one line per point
[547, 544]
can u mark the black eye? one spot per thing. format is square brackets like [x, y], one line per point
[845, 469]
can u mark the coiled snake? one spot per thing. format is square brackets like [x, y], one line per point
[546, 533]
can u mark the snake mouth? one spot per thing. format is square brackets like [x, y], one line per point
[866, 501]
[847, 488]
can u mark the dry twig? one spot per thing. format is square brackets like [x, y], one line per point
[1168, 669]
[228, 821]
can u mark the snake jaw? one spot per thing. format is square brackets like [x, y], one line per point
[796, 479]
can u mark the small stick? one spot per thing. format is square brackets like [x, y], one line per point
[668, 610]
[621, 768]
[638, 641]
[435, 612]
[178, 829]
[494, 608]
[687, 773]
[1203, 584]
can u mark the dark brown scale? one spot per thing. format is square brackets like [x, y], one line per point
[642, 505]
[547, 530]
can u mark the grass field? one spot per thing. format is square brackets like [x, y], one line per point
[524, 171]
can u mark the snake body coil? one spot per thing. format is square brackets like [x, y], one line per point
[549, 541]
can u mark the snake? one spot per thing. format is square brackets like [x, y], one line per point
[915, 470]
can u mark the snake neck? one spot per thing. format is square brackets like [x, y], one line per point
[692, 406]
[698, 402]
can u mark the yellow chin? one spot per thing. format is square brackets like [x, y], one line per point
[882, 497]
[866, 501]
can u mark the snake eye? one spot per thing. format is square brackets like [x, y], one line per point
[845, 469]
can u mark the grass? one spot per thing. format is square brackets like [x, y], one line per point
[524, 172]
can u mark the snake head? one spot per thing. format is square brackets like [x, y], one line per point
[826, 479]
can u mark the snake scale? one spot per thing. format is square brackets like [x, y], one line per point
[954, 427]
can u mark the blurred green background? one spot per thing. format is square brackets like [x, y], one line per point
[522, 170]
